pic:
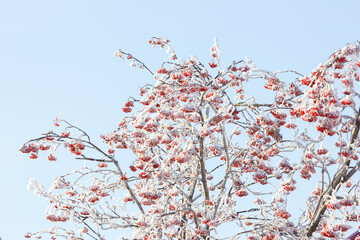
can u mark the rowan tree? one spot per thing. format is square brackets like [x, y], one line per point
[208, 152]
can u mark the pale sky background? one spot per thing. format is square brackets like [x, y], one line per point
[56, 56]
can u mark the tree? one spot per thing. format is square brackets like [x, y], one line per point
[209, 154]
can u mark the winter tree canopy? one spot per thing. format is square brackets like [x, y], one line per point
[209, 152]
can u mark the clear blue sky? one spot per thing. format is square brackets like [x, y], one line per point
[57, 56]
